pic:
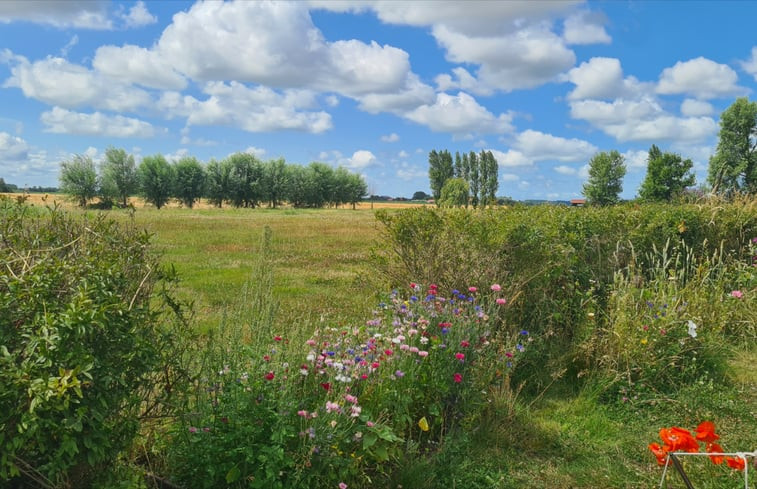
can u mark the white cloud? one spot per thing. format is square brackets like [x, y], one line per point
[390, 138]
[55, 81]
[700, 77]
[636, 159]
[138, 16]
[695, 108]
[407, 172]
[403, 154]
[62, 121]
[258, 109]
[526, 58]
[259, 152]
[539, 146]
[360, 159]
[508, 177]
[134, 64]
[566, 170]
[641, 120]
[411, 95]
[70, 44]
[602, 78]
[511, 158]
[12, 148]
[585, 28]
[459, 114]
[583, 172]
[750, 65]
[60, 14]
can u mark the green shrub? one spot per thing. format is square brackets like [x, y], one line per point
[85, 350]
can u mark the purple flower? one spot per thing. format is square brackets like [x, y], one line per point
[399, 374]
[520, 347]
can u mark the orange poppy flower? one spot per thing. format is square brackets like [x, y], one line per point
[735, 463]
[706, 432]
[714, 447]
[678, 439]
[659, 452]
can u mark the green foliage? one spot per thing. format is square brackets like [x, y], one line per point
[189, 180]
[606, 172]
[245, 180]
[275, 181]
[85, 345]
[733, 167]
[454, 193]
[118, 176]
[78, 179]
[420, 195]
[440, 169]
[156, 180]
[667, 177]
[218, 183]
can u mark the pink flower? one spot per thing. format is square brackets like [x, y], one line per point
[351, 399]
[355, 411]
[277, 338]
[302, 413]
[388, 352]
[496, 287]
[310, 342]
[331, 407]
[370, 424]
[342, 485]
[413, 349]
[500, 301]
[192, 429]
[464, 344]
[423, 353]
[460, 356]
[472, 289]
[508, 354]
[737, 294]
[458, 378]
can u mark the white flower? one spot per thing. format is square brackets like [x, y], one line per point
[692, 329]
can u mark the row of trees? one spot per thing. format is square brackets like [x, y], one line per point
[241, 180]
[732, 169]
[471, 179]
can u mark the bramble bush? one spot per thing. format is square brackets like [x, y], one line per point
[88, 344]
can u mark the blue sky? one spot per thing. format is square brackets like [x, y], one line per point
[373, 85]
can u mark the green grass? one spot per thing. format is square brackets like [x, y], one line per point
[564, 439]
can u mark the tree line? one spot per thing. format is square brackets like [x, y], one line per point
[471, 179]
[240, 180]
[732, 169]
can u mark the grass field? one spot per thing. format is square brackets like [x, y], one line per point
[562, 438]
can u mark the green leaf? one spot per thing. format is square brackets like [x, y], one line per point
[369, 440]
[233, 474]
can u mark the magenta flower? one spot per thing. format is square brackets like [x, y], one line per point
[472, 289]
[460, 356]
[342, 485]
[269, 376]
[192, 429]
[500, 301]
[399, 374]
[458, 378]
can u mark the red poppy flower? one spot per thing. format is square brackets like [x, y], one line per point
[277, 338]
[706, 432]
[267, 358]
[465, 344]
[715, 448]
[678, 439]
[269, 376]
[326, 386]
[735, 463]
[659, 453]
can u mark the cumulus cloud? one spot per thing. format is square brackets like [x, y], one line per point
[585, 28]
[750, 65]
[55, 81]
[390, 138]
[602, 78]
[566, 170]
[258, 109]
[641, 120]
[636, 159]
[62, 121]
[408, 172]
[360, 159]
[539, 146]
[695, 108]
[459, 114]
[259, 152]
[134, 64]
[700, 77]
[138, 16]
[511, 158]
[12, 148]
[60, 14]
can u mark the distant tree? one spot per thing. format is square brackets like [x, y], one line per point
[189, 180]
[454, 193]
[275, 181]
[298, 185]
[733, 167]
[321, 185]
[491, 184]
[4, 187]
[474, 179]
[458, 173]
[421, 195]
[440, 169]
[217, 188]
[245, 180]
[606, 172]
[78, 178]
[118, 176]
[156, 180]
[667, 176]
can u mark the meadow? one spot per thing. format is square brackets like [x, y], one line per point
[568, 385]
